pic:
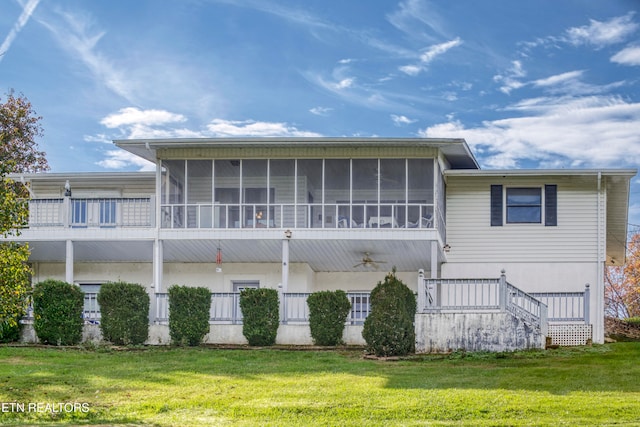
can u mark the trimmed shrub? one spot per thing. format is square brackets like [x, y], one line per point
[57, 312]
[389, 328]
[188, 314]
[9, 332]
[124, 309]
[260, 315]
[328, 311]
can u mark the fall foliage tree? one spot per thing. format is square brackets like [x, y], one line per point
[622, 283]
[19, 127]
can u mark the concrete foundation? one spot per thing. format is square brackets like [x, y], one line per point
[496, 332]
[290, 334]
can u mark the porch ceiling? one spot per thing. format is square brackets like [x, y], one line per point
[333, 253]
[96, 251]
[321, 255]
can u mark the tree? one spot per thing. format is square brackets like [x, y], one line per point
[622, 283]
[19, 127]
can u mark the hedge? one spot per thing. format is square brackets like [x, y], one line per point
[124, 309]
[57, 312]
[328, 311]
[389, 329]
[188, 314]
[260, 315]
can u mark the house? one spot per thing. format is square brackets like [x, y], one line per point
[482, 248]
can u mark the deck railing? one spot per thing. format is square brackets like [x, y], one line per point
[91, 212]
[300, 215]
[225, 308]
[480, 295]
[566, 306]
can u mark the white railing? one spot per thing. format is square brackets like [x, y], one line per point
[480, 295]
[225, 308]
[305, 215]
[525, 307]
[459, 295]
[566, 306]
[91, 212]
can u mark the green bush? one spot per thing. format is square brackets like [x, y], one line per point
[57, 312]
[9, 332]
[124, 309]
[188, 314]
[633, 320]
[328, 311]
[260, 315]
[389, 328]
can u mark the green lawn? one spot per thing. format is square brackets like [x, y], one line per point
[597, 385]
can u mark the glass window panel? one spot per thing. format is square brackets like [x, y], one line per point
[107, 212]
[199, 183]
[173, 182]
[420, 183]
[524, 205]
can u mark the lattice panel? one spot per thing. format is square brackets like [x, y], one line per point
[570, 335]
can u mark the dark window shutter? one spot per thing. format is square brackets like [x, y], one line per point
[550, 205]
[496, 205]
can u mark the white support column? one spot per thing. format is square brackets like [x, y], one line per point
[68, 268]
[158, 260]
[285, 261]
[434, 259]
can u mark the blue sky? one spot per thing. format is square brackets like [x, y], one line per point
[542, 84]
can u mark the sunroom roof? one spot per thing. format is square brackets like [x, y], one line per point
[455, 150]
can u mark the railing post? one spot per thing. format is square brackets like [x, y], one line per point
[502, 289]
[153, 308]
[587, 302]
[283, 305]
[422, 292]
[66, 211]
[544, 320]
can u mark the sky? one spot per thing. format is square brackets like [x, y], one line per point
[544, 84]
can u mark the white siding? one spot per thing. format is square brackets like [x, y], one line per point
[473, 239]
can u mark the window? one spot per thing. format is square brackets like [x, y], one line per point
[79, 213]
[524, 205]
[107, 213]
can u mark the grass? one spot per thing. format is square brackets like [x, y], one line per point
[596, 385]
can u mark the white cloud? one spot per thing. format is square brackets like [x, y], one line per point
[320, 111]
[627, 56]
[510, 80]
[568, 132]
[134, 116]
[120, 159]
[605, 33]
[438, 49]
[344, 83]
[27, 11]
[558, 78]
[250, 128]
[412, 70]
[401, 120]
[430, 54]
[76, 35]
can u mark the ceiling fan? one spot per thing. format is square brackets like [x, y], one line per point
[368, 262]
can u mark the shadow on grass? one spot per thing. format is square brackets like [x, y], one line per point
[52, 374]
